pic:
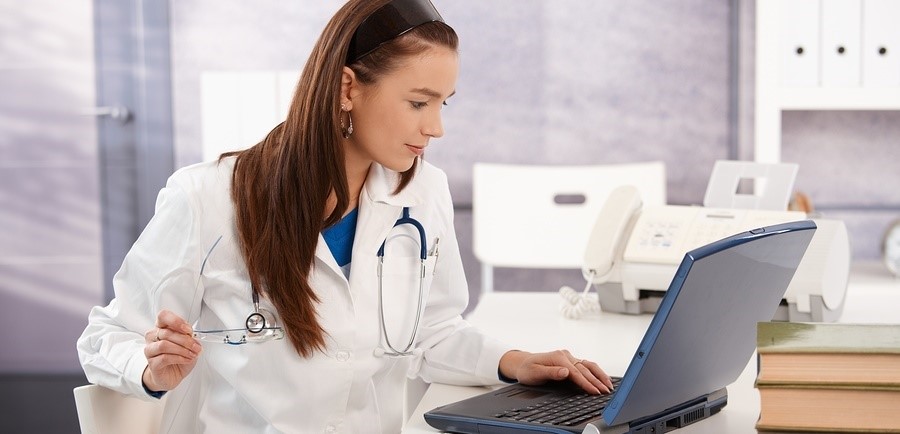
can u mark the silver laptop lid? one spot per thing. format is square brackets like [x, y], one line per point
[710, 311]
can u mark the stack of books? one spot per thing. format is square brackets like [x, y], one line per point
[828, 377]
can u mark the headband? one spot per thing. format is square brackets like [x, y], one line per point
[389, 22]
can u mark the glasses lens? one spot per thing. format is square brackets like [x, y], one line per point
[239, 336]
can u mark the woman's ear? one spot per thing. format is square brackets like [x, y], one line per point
[348, 88]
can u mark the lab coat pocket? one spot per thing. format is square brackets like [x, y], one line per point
[404, 291]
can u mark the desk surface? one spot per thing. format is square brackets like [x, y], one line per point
[529, 320]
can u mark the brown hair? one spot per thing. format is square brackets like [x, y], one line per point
[281, 185]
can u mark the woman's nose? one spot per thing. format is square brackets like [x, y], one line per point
[434, 127]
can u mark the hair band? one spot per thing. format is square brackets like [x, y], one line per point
[389, 22]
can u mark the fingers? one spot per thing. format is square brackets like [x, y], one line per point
[171, 352]
[586, 374]
[593, 375]
[168, 320]
[541, 373]
[171, 341]
[581, 376]
[173, 344]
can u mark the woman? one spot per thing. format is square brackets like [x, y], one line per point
[296, 237]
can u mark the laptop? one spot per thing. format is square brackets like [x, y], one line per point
[699, 341]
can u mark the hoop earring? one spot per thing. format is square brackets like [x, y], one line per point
[346, 132]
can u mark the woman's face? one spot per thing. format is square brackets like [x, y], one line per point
[395, 118]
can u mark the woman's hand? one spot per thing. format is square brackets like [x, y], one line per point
[538, 368]
[171, 352]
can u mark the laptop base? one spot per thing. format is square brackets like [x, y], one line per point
[665, 421]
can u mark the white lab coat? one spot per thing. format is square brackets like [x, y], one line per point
[267, 387]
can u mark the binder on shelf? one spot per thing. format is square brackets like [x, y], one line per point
[881, 43]
[841, 43]
[800, 43]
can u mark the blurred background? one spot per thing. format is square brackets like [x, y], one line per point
[100, 101]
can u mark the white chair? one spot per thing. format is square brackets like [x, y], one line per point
[530, 216]
[105, 411]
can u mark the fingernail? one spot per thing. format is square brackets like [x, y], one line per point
[563, 372]
[196, 348]
[186, 329]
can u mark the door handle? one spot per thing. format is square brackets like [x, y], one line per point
[119, 113]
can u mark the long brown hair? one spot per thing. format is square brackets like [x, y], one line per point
[280, 186]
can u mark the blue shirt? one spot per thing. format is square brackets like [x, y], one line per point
[339, 239]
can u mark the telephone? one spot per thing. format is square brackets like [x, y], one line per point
[634, 251]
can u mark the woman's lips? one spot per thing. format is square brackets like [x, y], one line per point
[416, 150]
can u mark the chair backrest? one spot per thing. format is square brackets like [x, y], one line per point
[105, 411]
[531, 216]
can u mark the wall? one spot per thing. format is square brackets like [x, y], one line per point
[575, 82]
[50, 224]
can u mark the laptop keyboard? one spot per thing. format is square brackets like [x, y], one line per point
[566, 410]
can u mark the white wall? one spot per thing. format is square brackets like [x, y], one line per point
[50, 224]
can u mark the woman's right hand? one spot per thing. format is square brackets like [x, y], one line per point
[171, 352]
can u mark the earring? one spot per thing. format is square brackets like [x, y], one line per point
[346, 132]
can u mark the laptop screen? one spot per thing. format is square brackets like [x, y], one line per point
[705, 327]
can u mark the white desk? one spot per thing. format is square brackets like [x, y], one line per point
[529, 320]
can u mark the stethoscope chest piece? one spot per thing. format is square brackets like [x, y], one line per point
[256, 322]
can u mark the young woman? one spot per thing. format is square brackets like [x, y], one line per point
[294, 286]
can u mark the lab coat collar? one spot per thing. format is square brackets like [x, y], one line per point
[381, 183]
[379, 208]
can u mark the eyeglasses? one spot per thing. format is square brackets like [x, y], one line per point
[259, 327]
[239, 336]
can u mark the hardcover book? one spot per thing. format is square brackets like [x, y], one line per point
[826, 377]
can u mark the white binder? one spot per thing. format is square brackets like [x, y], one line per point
[881, 43]
[841, 43]
[800, 43]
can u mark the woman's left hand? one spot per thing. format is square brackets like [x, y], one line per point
[538, 368]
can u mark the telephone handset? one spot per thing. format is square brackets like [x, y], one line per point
[612, 226]
[604, 246]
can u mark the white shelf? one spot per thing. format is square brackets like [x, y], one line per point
[867, 98]
[772, 97]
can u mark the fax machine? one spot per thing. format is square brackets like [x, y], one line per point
[633, 253]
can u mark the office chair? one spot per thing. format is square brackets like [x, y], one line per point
[532, 216]
[105, 411]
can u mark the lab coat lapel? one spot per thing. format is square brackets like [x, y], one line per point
[324, 255]
[379, 209]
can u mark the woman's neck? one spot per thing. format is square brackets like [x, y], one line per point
[356, 178]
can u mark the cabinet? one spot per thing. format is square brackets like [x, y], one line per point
[823, 55]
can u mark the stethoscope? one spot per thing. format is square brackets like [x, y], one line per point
[261, 320]
[256, 322]
[407, 350]
[260, 325]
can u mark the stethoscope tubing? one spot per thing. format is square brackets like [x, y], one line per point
[407, 350]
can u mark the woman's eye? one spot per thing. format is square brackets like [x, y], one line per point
[418, 105]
